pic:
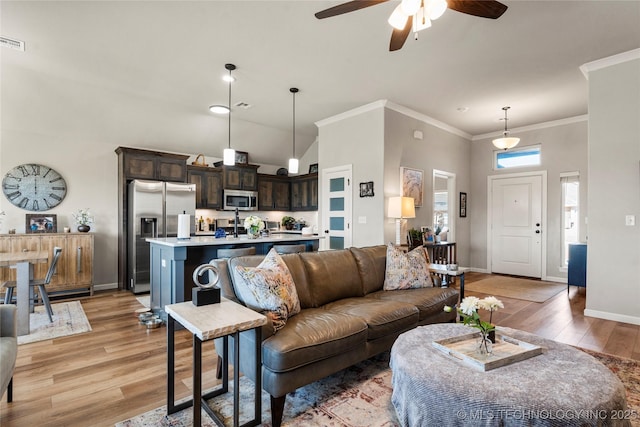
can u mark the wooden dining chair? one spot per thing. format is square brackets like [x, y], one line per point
[10, 285]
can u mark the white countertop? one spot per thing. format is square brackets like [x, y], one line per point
[210, 240]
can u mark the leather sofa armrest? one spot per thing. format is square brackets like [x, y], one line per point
[8, 323]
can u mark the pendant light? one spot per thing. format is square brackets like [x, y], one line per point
[229, 154]
[293, 162]
[506, 141]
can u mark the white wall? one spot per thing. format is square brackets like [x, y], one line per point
[613, 259]
[564, 149]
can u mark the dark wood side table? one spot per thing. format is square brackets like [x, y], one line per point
[206, 323]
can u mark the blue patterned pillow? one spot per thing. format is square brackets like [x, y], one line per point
[406, 270]
[269, 287]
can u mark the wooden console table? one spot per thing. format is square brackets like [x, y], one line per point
[442, 253]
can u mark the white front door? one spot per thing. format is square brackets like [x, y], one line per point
[516, 217]
[336, 207]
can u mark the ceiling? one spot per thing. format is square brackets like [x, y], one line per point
[172, 53]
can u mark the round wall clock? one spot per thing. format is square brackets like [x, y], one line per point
[34, 187]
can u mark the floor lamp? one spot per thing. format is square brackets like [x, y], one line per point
[401, 208]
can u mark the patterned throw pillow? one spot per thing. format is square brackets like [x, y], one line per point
[406, 270]
[269, 287]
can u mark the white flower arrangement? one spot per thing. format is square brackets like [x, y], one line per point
[253, 222]
[469, 311]
[83, 217]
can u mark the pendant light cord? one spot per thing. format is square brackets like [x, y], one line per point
[294, 90]
[229, 108]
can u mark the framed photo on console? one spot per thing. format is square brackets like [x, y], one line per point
[41, 223]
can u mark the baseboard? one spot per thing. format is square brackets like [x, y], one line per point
[612, 316]
[105, 286]
[478, 270]
[555, 279]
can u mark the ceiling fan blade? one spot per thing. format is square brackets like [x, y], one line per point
[398, 37]
[347, 7]
[483, 8]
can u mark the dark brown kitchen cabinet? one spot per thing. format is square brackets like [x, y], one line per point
[240, 177]
[273, 193]
[153, 165]
[304, 192]
[208, 183]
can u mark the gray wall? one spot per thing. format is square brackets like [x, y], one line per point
[613, 269]
[357, 139]
[564, 149]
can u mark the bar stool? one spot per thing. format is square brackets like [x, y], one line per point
[228, 253]
[290, 249]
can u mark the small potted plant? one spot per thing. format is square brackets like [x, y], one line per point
[83, 218]
[288, 222]
[415, 238]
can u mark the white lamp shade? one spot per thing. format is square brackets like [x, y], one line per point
[506, 142]
[229, 157]
[398, 19]
[401, 207]
[293, 165]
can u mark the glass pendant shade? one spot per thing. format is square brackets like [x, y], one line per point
[506, 142]
[398, 19]
[293, 165]
[229, 157]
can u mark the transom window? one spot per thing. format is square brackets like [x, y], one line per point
[517, 157]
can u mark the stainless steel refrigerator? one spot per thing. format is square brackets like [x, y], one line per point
[153, 212]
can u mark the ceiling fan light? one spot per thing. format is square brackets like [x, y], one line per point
[410, 7]
[229, 157]
[293, 165]
[435, 8]
[398, 18]
[506, 142]
[219, 109]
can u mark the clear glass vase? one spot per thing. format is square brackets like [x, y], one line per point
[485, 346]
[253, 233]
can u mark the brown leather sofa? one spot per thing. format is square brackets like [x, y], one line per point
[345, 317]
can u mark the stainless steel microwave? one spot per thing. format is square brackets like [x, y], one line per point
[242, 200]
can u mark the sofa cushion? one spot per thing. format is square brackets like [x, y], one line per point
[383, 317]
[372, 263]
[406, 270]
[312, 335]
[429, 301]
[332, 275]
[269, 287]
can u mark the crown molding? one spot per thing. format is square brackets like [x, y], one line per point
[544, 125]
[383, 103]
[609, 61]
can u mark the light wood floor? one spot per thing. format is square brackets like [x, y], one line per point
[119, 369]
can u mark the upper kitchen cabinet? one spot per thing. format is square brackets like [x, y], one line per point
[274, 193]
[208, 183]
[152, 165]
[304, 192]
[240, 177]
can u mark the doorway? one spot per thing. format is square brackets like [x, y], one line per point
[336, 207]
[444, 203]
[516, 224]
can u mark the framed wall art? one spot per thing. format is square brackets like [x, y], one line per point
[463, 205]
[411, 182]
[366, 189]
[242, 157]
[313, 168]
[41, 223]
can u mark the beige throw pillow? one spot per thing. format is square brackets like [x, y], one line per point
[269, 287]
[406, 270]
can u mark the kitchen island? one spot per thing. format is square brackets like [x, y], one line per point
[174, 260]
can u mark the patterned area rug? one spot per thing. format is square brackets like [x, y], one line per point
[514, 287]
[357, 396]
[68, 319]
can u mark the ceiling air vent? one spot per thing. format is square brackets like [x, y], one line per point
[12, 43]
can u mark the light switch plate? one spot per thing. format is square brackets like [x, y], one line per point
[630, 220]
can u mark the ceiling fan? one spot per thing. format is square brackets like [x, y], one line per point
[418, 14]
